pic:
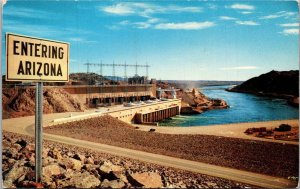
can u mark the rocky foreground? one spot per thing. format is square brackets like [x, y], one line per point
[69, 166]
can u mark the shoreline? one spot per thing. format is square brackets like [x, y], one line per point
[233, 130]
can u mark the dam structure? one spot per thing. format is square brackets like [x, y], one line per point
[108, 95]
[134, 100]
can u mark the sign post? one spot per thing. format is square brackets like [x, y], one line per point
[36, 60]
[38, 130]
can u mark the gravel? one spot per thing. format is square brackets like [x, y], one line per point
[23, 159]
[262, 157]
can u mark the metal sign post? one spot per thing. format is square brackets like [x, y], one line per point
[38, 130]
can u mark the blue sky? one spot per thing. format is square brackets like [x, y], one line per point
[189, 40]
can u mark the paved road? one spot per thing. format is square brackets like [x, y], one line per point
[25, 125]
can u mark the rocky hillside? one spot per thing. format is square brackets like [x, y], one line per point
[274, 83]
[67, 166]
[90, 78]
[284, 84]
[193, 101]
[21, 101]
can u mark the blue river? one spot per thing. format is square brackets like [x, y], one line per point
[243, 108]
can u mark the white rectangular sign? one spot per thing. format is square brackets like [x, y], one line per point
[34, 59]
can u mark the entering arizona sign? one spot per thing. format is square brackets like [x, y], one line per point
[34, 59]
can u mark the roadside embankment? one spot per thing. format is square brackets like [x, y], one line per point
[70, 166]
[277, 159]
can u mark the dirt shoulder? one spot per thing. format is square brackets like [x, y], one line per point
[256, 156]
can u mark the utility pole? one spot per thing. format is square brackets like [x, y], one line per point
[114, 70]
[125, 72]
[147, 73]
[101, 72]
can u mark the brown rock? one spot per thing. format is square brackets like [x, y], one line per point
[112, 184]
[80, 180]
[107, 167]
[146, 179]
[79, 157]
[89, 160]
[48, 160]
[72, 163]
[52, 169]
[56, 154]
[14, 174]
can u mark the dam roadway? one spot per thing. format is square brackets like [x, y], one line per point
[25, 125]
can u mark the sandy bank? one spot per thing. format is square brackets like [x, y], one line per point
[235, 130]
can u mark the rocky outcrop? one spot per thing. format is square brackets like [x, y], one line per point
[96, 170]
[195, 102]
[192, 101]
[277, 84]
[21, 101]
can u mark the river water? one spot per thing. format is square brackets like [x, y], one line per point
[243, 108]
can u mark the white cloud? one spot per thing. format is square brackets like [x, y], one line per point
[140, 25]
[246, 12]
[120, 9]
[240, 68]
[184, 26]
[80, 40]
[124, 22]
[293, 31]
[145, 9]
[289, 25]
[242, 7]
[280, 14]
[227, 18]
[271, 16]
[248, 23]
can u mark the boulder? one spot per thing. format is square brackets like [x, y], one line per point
[56, 154]
[11, 153]
[79, 157]
[17, 146]
[112, 184]
[30, 147]
[17, 171]
[72, 163]
[108, 167]
[146, 179]
[48, 160]
[80, 180]
[89, 160]
[52, 169]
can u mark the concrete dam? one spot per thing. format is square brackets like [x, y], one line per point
[129, 103]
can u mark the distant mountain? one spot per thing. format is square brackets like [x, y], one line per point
[275, 84]
[90, 78]
[200, 83]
